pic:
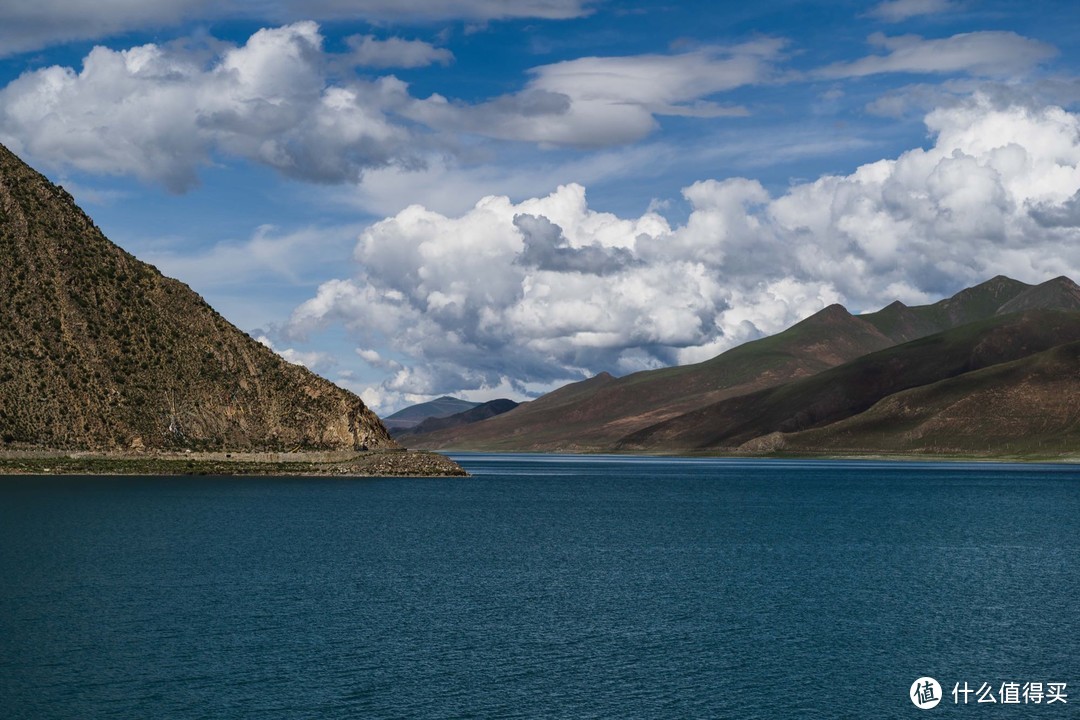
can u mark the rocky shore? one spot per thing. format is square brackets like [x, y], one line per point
[383, 463]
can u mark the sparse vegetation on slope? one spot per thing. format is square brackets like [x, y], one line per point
[100, 351]
[1029, 407]
[854, 387]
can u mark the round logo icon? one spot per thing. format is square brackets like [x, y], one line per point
[925, 693]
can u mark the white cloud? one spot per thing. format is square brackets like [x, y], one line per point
[314, 360]
[270, 255]
[921, 98]
[376, 360]
[452, 188]
[549, 289]
[660, 83]
[424, 10]
[163, 112]
[368, 51]
[159, 114]
[602, 101]
[33, 24]
[899, 10]
[988, 54]
[371, 357]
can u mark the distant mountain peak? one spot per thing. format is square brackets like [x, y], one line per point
[1059, 293]
[481, 412]
[413, 415]
[1063, 281]
[829, 313]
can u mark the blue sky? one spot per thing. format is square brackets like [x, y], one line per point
[486, 198]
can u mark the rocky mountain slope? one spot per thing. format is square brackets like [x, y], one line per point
[99, 351]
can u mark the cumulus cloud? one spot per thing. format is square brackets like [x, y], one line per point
[601, 101]
[1058, 215]
[368, 51]
[33, 24]
[987, 54]
[549, 289]
[546, 248]
[899, 10]
[163, 112]
[159, 113]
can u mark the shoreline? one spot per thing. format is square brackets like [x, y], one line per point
[397, 462]
[865, 455]
[376, 463]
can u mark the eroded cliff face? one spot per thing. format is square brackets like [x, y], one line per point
[100, 351]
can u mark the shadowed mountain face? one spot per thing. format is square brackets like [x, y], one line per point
[1029, 406]
[100, 351]
[854, 387]
[772, 393]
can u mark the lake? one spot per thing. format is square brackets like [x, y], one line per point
[544, 586]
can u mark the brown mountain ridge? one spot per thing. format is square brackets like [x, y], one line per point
[847, 390]
[99, 351]
[772, 393]
[1027, 407]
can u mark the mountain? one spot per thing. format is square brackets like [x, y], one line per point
[593, 414]
[482, 411]
[903, 324]
[830, 379]
[413, 415]
[1025, 407]
[99, 351]
[1060, 293]
[850, 389]
[596, 414]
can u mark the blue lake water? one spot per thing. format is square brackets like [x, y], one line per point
[543, 586]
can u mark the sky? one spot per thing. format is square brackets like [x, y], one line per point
[493, 198]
